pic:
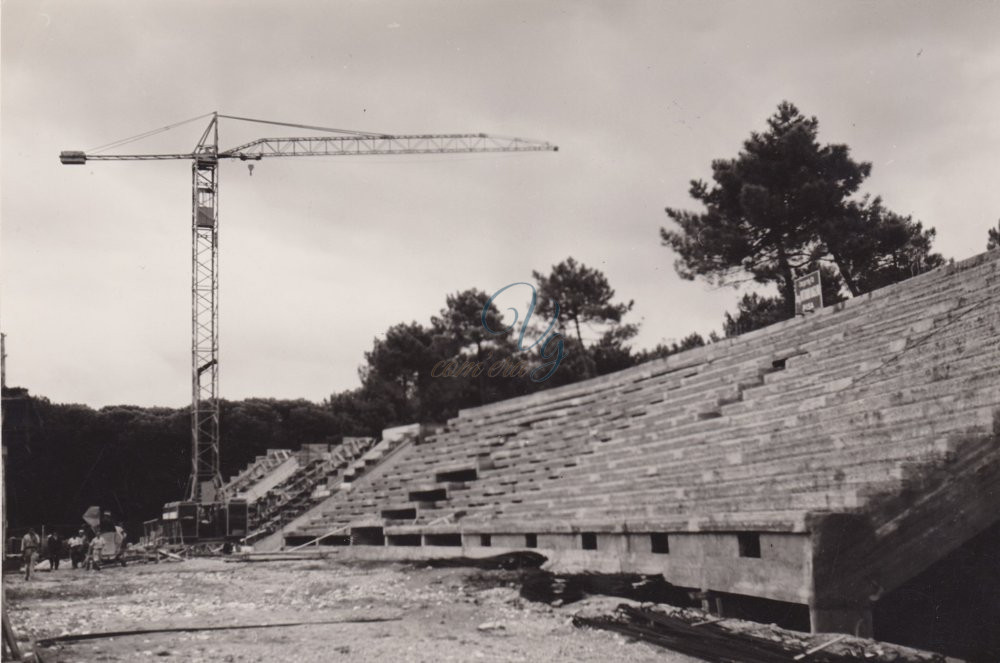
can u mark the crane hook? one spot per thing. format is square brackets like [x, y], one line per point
[250, 167]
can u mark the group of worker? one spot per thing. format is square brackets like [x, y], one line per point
[83, 552]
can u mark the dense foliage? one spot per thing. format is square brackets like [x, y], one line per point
[63, 458]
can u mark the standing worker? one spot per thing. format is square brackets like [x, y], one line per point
[96, 550]
[77, 549]
[29, 552]
[55, 548]
[120, 544]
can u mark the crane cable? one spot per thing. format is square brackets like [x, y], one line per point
[305, 126]
[146, 134]
[153, 132]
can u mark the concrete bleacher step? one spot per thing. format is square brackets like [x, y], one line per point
[729, 467]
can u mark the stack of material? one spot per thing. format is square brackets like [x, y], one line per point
[713, 642]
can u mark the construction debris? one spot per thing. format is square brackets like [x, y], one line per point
[819, 647]
[278, 556]
[76, 637]
[562, 589]
[714, 643]
[438, 611]
[10, 647]
[512, 561]
[170, 555]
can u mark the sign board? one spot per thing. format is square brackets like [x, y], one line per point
[808, 293]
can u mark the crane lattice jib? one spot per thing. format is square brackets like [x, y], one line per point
[205, 483]
[359, 145]
[340, 146]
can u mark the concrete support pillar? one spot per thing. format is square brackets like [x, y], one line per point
[842, 583]
[854, 620]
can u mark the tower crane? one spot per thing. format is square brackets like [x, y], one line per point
[205, 485]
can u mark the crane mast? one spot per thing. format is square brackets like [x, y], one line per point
[205, 482]
[205, 485]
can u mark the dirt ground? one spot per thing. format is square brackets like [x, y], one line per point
[432, 615]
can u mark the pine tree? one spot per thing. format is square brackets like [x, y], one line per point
[585, 297]
[784, 205]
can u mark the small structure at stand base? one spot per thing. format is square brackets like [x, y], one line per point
[191, 522]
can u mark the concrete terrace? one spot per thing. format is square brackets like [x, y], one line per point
[821, 461]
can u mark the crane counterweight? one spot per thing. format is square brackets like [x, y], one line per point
[73, 158]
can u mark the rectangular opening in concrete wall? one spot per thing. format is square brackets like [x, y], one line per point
[659, 543]
[793, 616]
[443, 539]
[403, 539]
[749, 544]
[367, 536]
[530, 540]
[292, 541]
[485, 540]
[778, 364]
[402, 513]
[457, 476]
[335, 540]
[432, 495]
[588, 540]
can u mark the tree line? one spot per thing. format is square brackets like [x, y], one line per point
[130, 460]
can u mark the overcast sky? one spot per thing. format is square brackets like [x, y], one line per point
[319, 256]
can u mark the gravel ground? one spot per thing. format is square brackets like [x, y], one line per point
[433, 615]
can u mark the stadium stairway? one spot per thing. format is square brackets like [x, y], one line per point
[319, 468]
[262, 474]
[325, 480]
